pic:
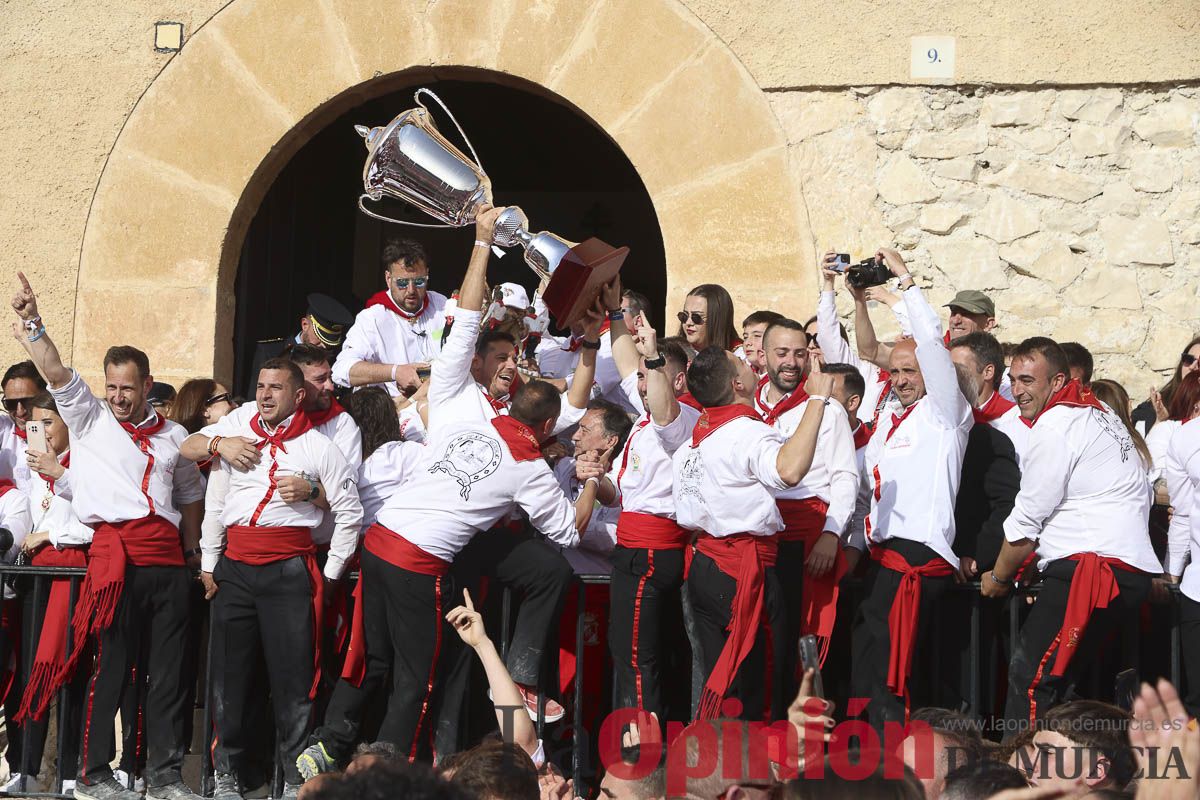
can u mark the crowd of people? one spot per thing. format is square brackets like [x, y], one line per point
[398, 465]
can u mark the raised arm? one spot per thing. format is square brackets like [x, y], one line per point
[660, 396]
[31, 333]
[796, 455]
[869, 346]
[829, 337]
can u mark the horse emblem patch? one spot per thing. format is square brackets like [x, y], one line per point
[469, 458]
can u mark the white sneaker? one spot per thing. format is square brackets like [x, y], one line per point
[20, 783]
[139, 785]
[121, 777]
[68, 787]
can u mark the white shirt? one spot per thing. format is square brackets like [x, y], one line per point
[108, 468]
[1083, 490]
[833, 476]
[1158, 440]
[1183, 480]
[382, 473]
[467, 481]
[52, 512]
[381, 336]
[915, 468]
[837, 351]
[608, 378]
[1011, 425]
[856, 533]
[642, 473]
[728, 483]
[12, 454]
[590, 557]
[310, 455]
[15, 518]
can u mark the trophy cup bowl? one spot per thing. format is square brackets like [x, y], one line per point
[410, 160]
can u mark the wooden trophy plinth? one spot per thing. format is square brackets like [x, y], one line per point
[579, 278]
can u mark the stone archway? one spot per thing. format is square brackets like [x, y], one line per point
[206, 139]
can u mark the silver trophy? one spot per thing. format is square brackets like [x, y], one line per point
[410, 160]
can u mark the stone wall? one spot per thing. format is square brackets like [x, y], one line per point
[1078, 210]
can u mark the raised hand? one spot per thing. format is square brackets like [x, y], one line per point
[467, 622]
[646, 340]
[24, 302]
[819, 383]
[610, 295]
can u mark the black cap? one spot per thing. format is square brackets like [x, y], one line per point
[329, 319]
[160, 393]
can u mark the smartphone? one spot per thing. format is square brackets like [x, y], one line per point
[36, 436]
[809, 659]
[840, 262]
[423, 373]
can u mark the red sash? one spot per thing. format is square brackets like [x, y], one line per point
[1093, 586]
[649, 531]
[384, 299]
[905, 613]
[51, 653]
[399, 552]
[742, 557]
[804, 521]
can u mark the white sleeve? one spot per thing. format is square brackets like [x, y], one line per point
[842, 464]
[950, 407]
[358, 346]
[1181, 491]
[829, 336]
[568, 417]
[63, 487]
[16, 519]
[549, 510]
[450, 373]
[231, 424]
[1158, 440]
[348, 439]
[64, 528]
[1045, 469]
[762, 457]
[338, 478]
[212, 530]
[900, 311]
[188, 484]
[676, 433]
[78, 406]
[856, 534]
[629, 388]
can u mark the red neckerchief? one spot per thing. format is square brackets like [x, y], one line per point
[65, 461]
[301, 423]
[6, 486]
[318, 418]
[996, 407]
[686, 399]
[786, 404]
[520, 439]
[862, 435]
[577, 341]
[716, 416]
[885, 378]
[19, 432]
[946, 339]
[499, 406]
[384, 299]
[1073, 395]
[141, 438]
[898, 418]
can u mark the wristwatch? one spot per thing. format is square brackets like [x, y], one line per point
[586, 345]
[315, 490]
[1000, 581]
[656, 363]
[616, 314]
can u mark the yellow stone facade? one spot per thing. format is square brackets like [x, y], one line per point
[133, 174]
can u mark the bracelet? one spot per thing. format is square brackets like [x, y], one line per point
[658, 362]
[33, 323]
[314, 490]
[821, 397]
[394, 372]
[586, 345]
[213, 443]
[39, 333]
[594, 480]
[1000, 581]
[616, 315]
[483, 244]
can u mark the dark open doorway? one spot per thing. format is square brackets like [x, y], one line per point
[308, 234]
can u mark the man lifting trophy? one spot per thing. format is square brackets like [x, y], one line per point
[408, 159]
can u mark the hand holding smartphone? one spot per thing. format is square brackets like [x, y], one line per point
[810, 659]
[36, 436]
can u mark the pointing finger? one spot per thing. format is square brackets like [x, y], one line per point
[467, 599]
[24, 282]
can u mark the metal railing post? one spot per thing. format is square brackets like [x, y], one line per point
[577, 723]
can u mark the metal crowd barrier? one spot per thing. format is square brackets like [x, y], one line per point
[41, 576]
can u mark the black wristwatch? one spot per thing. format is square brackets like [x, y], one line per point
[586, 345]
[615, 315]
[656, 363]
[195, 551]
[315, 491]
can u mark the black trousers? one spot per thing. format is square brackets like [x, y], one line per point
[871, 639]
[710, 592]
[1189, 635]
[265, 609]
[644, 584]
[1032, 690]
[153, 609]
[405, 630]
[962, 665]
[789, 567]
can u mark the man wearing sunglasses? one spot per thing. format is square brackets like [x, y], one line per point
[395, 337]
[21, 383]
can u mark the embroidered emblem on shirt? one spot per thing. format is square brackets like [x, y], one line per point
[689, 476]
[1117, 431]
[469, 458]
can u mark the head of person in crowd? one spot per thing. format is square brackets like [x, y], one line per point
[509, 309]
[634, 305]
[1079, 362]
[536, 405]
[371, 754]
[374, 411]
[848, 388]
[603, 429]
[1189, 362]
[1113, 395]
[907, 380]
[717, 377]
[318, 375]
[970, 311]
[1084, 738]
[954, 739]
[753, 328]
[161, 398]
[651, 787]
[876, 786]
[388, 780]
[127, 382]
[814, 350]
[406, 271]
[1038, 370]
[1185, 402]
[280, 390]
[982, 779]
[676, 368]
[785, 345]
[45, 410]
[494, 366]
[200, 402]
[739, 780]
[979, 357]
[496, 770]
[325, 322]
[20, 383]
[707, 318]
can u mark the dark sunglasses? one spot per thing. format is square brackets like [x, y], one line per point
[11, 403]
[697, 317]
[402, 283]
[223, 397]
[1187, 359]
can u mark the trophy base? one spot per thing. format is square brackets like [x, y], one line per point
[580, 276]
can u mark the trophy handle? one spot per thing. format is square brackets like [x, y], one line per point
[438, 100]
[363, 208]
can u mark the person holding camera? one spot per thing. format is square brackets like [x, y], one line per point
[914, 463]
